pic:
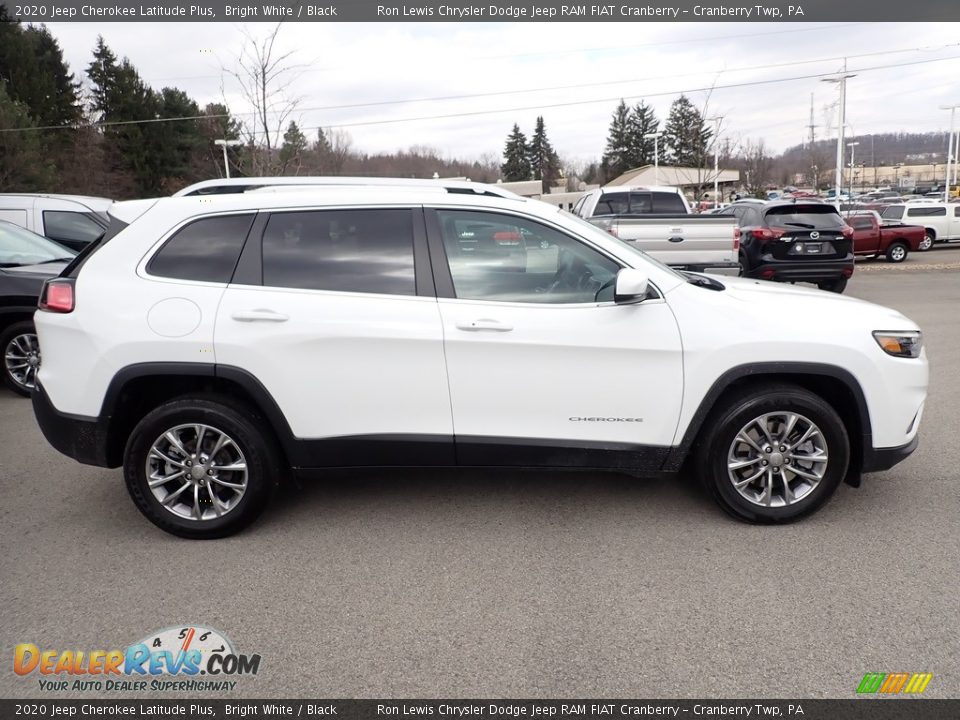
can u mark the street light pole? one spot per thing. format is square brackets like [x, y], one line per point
[841, 81]
[952, 152]
[655, 136]
[224, 144]
[716, 160]
[853, 150]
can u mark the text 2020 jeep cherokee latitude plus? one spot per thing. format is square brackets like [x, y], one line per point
[211, 344]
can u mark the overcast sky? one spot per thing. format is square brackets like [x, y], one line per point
[571, 73]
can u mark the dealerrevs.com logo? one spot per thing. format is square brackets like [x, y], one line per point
[189, 658]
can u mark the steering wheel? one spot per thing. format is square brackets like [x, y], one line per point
[573, 275]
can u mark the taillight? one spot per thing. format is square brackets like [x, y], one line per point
[847, 232]
[57, 296]
[762, 233]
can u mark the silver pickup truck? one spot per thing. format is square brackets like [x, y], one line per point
[658, 221]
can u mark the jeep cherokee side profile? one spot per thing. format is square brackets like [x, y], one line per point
[210, 345]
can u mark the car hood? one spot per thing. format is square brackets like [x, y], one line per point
[776, 299]
[44, 270]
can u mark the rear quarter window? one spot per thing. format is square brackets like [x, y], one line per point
[927, 212]
[206, 250]
[894, 212]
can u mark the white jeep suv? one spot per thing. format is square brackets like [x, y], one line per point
[213, 345]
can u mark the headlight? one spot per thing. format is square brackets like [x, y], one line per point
[905, 344]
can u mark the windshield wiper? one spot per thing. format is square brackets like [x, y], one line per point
[45, 262]
[800, 225]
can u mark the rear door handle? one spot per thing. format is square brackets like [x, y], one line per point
[259, 315]
[484, 324]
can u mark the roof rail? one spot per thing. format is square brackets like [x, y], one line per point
[250, 184]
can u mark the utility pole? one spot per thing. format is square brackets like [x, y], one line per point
[952, 151]
[716, 160]
[813, 144]
[841, 81]
[853, 150]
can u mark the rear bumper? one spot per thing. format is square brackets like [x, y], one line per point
[82, 438]
[803, 271]
[880, 459]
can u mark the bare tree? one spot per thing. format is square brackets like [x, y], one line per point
[758, 166]
[265, 77]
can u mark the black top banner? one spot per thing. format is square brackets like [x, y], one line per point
[497, 11]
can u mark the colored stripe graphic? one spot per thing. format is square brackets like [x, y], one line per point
[871, 682]
[918, 683]
[894, 683]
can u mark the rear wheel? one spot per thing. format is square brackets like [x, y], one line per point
[897, 252]
[200, 467]
[837, 286]
[774, 454]
[928, 239]
[21, 357]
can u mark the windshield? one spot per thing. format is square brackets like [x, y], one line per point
[894, 212]
[812, 217]
[19, 246]
[589, 230]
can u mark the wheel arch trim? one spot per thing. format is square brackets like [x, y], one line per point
[773, 371]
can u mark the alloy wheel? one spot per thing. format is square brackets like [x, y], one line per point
[926, 243]
[196, 472]
[898, 253]
[21, 359]
[777, 459]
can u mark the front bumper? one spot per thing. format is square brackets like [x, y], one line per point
[82, 438]
[880, 459]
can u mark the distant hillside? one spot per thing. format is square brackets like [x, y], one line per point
[882, 148]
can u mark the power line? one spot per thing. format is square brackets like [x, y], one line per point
[751, 83]
[614, 48]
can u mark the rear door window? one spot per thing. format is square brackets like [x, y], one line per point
[927, 212]
[71, 227]
[363, 251]
[206, 250]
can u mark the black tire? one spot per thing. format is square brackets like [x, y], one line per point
[7, 336]
[744, 265]
[725, 423]
[929, 238]
[897, 252]
[242, 426]
[837, 286]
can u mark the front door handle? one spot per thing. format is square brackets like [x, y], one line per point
[259, 315]
[484, 324]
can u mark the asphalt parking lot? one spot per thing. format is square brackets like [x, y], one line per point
[505, 584]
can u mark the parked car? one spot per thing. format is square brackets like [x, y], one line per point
[264, 335]
[941, 220]
[71, 220]
[26, 260]
[794, 241]
[658, 220]
[873, 237]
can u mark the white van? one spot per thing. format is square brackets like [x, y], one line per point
[941, 220]
[71, 220]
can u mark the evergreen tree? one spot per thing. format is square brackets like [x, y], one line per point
[544, 161]
[293, 148]
[24, 166]
[686, 136]
[516, 157]
[642, 121]
[617, 157]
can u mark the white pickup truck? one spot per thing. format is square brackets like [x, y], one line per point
[657, 220]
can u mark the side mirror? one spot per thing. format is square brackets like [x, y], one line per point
[631, 286]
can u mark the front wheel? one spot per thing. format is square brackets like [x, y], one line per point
[897, 252]
[927, 241]
[773, 455]
[837, 286]
[21, 357]
[200, 467]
